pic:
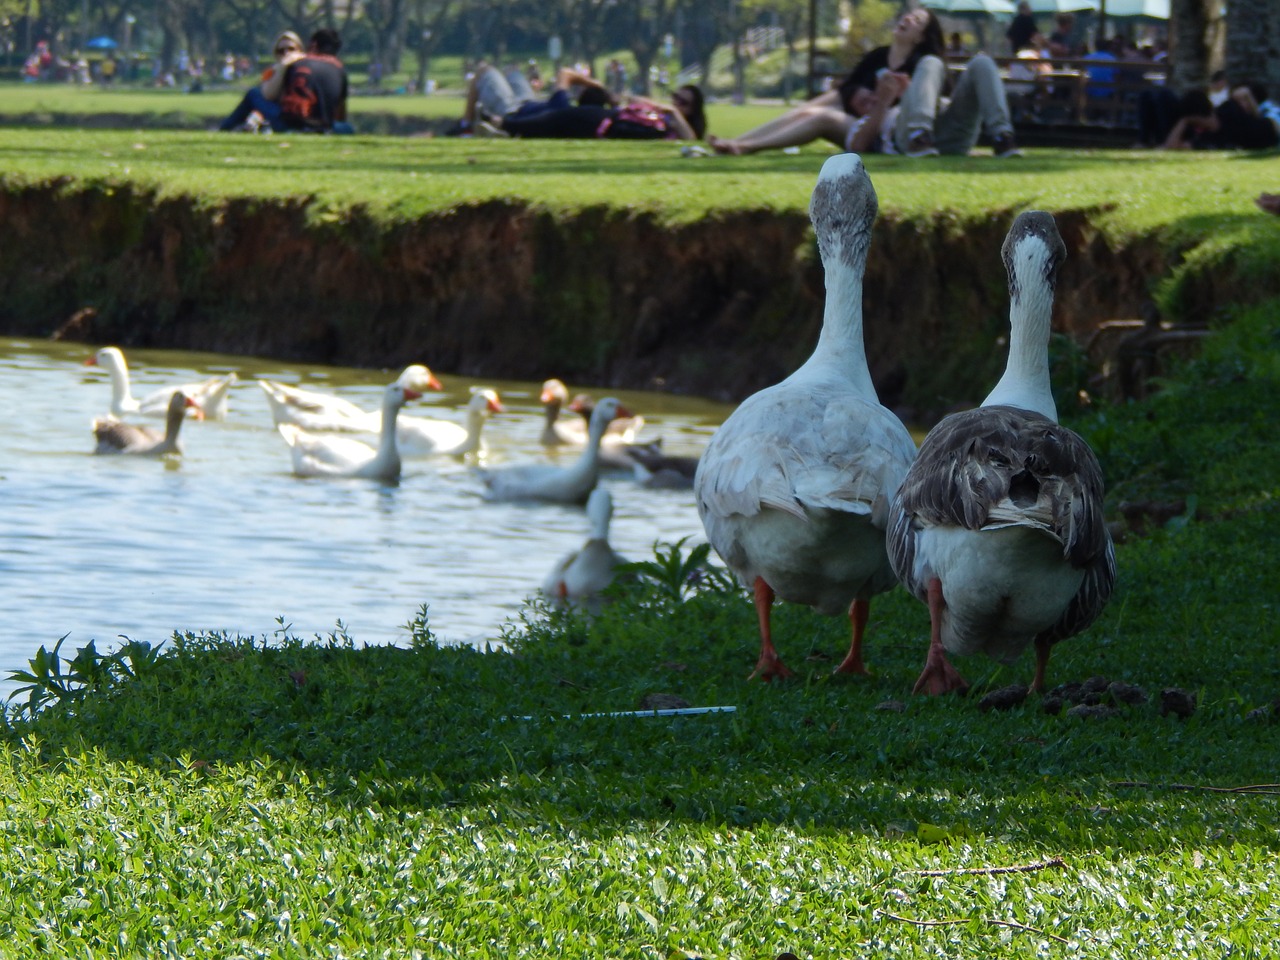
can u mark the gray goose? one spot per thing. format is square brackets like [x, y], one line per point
[998, 527]
[117, 436]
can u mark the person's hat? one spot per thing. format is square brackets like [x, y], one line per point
[291, 37]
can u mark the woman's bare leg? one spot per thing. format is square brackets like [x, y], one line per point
[801, 127]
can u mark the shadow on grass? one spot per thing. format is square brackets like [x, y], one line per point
[434, 727]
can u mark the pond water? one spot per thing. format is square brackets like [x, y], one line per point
[227, 539]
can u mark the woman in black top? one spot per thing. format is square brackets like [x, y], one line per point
[836, 114]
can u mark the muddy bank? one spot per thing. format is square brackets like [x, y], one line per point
[717, 308]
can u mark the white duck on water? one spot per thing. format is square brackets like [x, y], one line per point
[794, 488]
[999, 526]
[571, 484]
[330, 455]
[427, 436]
[209, 397]
[318, 412]
[580, 578]
[117, 436]
[560, 431]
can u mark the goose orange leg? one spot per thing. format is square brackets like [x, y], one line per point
[859, 612]
[1042, 661]
[769, 665]
[939, 675]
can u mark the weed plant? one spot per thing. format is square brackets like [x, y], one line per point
[232, 796]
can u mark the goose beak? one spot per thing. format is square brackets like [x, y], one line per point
[433, 383]
[196, 407]
[496, 407]
[546, 396]
[91, 362]
[412, 394]
[623, 412]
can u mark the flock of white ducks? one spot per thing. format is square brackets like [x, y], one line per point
[326, 435]
[813, 492]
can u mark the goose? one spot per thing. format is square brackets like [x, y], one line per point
[571, 484]
[998, 526]
[579, 578]
[117, 436]
[326, 455]
[319, 412]
[209, 397]
[569, 432]
[425, 436]
[794, 487]
[658, 470]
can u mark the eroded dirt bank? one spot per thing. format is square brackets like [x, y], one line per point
[717, 308]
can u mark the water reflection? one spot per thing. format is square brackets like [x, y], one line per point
[227, 539]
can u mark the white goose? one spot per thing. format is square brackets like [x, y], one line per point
[580, 577]
[336, 456]
[794, 487]
[572, 431]
[571, 484]
[209, 397]
[999, 527]
[319, 412]
[426, 436]
[116, 436]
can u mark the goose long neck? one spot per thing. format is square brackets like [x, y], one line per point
[841, 342]
[589, 462]
[1026, 382]
[387, 452]
[121, 395]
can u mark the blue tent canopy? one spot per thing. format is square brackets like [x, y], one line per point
[102, 43]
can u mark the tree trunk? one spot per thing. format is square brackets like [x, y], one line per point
[1190, 44]
[1251, 46]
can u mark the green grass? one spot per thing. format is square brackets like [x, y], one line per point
[292, 798]
[1131, 191]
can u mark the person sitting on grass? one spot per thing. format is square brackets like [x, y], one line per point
[865, 127]
[1239, 123]
[495, 96]
[831, 115]
[637, 119]
[312, 88]
[288, 47]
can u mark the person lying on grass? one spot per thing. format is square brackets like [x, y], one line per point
[493, 96]
[637, 119]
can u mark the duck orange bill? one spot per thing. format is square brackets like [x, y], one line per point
[433, 383]
[496, 407]
[623, 413]
[412, 394]
[91, 362]
[195, 406]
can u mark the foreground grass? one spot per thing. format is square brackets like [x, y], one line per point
[299, 799]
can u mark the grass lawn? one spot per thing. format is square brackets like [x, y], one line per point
[209, 107]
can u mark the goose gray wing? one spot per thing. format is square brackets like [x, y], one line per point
[117, 436]
[1003, 466]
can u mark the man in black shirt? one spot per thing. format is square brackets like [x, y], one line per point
[314, 94]
[1022, 29]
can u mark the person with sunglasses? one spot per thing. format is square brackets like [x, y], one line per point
[288, 47]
